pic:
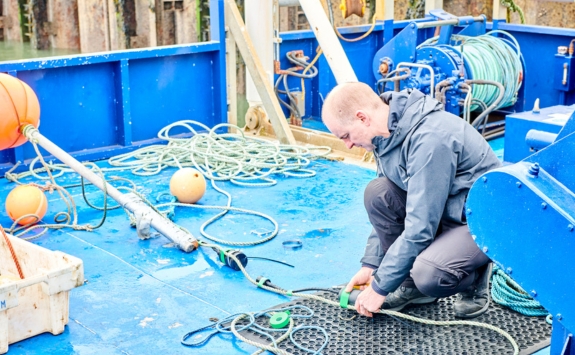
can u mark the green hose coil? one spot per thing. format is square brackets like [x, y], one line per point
[490, 58]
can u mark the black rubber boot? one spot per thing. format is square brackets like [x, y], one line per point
[403, 296]
[474, 301]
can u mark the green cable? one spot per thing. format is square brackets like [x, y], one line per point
[515, 8]
[490, 58]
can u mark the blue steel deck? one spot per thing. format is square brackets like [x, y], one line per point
[142, 296]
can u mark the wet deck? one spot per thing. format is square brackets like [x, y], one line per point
[141, 297]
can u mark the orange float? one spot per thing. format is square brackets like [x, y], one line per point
[19, 106]
[26, 199]
[188, 185]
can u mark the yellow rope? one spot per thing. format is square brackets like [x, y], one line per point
[360, 37]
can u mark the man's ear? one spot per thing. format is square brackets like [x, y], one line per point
[363, 117]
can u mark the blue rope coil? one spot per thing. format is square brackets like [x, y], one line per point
[508, 293]
[224, 326]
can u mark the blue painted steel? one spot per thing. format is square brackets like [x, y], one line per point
[523, 217]
[474, 28]
[94, 96]
[123, 102]
[317, 89]
[560, 332]
[98, 105]
[564, 78]
[568, 128]
[142, 296]
[445, 60]
[538, 44]
[15, 66]
[517, 125]
[220, 87]
[537, 140]
[400, 49]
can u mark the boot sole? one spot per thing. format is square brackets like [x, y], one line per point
[423, 300]
[474, 314]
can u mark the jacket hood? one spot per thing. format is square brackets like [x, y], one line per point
[406, 110]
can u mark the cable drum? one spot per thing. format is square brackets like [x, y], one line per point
[490, 58]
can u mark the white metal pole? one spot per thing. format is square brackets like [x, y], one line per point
[131, 202]
[259, 24]
[332, 49]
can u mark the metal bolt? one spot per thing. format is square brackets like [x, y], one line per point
[410, 57]
[509, 271]
[543, 205]
[534, 169]
[570, 227]
[485, 179]
[468, 211]
[533, 293]
[485, 249]
[518, 184]
[558, 316]
[413, 25]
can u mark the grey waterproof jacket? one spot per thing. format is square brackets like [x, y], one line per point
[435, 156]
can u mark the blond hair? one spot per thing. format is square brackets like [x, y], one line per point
[345, 99]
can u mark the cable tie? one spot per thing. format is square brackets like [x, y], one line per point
[223, 255]
[262, 282]
[344, 299]
[293, 244]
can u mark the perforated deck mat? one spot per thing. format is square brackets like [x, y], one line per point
[386, 335]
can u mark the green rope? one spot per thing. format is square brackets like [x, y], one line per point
[508, 293]
[511, 5]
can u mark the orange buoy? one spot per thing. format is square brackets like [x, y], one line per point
[188, 185]
[26, 199]
[19, 106]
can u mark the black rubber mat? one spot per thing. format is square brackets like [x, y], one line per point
[386, 335]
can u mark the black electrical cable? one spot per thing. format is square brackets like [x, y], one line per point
[273, 260]
[316, 289]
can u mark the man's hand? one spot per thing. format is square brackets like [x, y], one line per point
[368, 302]
[361, 279]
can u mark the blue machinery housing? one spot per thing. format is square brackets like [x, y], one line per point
[99, 105]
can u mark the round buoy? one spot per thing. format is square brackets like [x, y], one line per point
[26, 199]
[18, 107]
[188, 185]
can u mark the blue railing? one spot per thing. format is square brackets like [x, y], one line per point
[98, 105]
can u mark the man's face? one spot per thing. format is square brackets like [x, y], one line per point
[354, 133]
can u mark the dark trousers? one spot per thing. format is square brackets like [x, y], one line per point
[447, 266]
